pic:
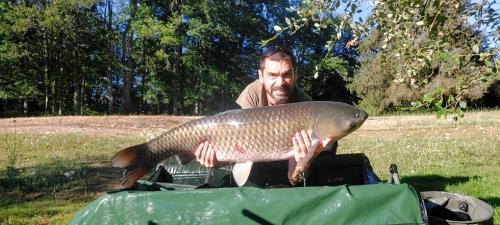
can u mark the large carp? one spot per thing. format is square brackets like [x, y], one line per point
[245, 136]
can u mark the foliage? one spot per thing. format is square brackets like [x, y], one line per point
[45, 47]
[74, 57]
[195, 56]
[435, 55]
[437, 51]
[321, 44]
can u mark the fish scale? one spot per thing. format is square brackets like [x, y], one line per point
[246, 135]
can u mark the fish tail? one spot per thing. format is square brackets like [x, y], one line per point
[133, 160]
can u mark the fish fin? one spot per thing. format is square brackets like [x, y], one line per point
[297, 170]
[241, 172]
[315, 140]
[314, 144]
[132, 159]
[183, 159]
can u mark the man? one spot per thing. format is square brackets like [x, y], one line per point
[275, 85]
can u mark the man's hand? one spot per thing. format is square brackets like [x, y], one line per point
[206, 155]
[302, 142]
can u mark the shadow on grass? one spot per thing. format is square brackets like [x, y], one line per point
[434, 182]
[65, 180]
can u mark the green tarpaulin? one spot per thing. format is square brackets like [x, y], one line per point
[363, 204]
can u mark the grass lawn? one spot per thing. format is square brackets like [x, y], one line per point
[46, 177]
[436, 155]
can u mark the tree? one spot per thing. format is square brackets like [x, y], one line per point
[418, 41]
[430, 54]
[17, 32]
[223, 44]
[110, 56]
[195, 56]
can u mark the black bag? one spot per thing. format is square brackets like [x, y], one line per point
[328, 169]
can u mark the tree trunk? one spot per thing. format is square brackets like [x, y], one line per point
[76, 98]
[128, 47]
[118, 101]
[176, 109]
[196, 109]
[143, 80]
[76, 82]
[109, 71]
[25, 106]
[82, 96]
[53, 102]
[60, 95]
[53, 86]
[46, 70]
[142, 107]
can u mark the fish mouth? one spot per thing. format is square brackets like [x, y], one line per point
[353, 125]
[357, 123]
[359, 120]
[361, 115]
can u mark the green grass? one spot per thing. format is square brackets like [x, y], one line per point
[459, 157]
[49, 210]
[45, 179]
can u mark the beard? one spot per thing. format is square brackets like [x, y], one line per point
[280, 94]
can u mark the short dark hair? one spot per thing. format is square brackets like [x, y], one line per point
[275, 53]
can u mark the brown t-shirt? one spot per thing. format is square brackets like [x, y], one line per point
[254, 95]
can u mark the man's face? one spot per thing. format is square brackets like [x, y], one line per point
[279, 79]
